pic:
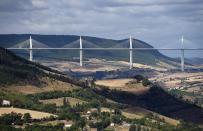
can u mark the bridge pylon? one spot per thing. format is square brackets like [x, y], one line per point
[182, 55]
[81, 52]
[131, 53]
[30, 50]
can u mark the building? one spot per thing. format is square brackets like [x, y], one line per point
[6, 103]
[112, 124]
[68, 124]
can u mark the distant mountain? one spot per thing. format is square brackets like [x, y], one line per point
[146, 57]
[195, 61]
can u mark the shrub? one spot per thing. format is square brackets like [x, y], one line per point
[145, 82]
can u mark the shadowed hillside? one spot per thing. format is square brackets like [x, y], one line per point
[19, 71]
[157, 100]
[14, 69]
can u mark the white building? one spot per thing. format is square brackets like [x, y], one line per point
[68, 125]
[112, 124]
[6, 103]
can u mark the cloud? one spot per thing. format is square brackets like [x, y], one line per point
[155, 21]
[20, 5]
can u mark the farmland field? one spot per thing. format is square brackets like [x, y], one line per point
[49, 85]
[123, 84]
[59, 101]
[34, 114]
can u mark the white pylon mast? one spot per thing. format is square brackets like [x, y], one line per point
[182, 55]
[131, 53]
[81, 53]
[31, 54]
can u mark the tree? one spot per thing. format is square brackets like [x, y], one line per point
[17, 103]
[64, 101]
[50, 108]
[93, 82]
[117, 119]
[27, 117]
[139, 78]
[139, 127]
[8, 119]
[117, 111]
[145, 82]
[81, 123]
[132, 128]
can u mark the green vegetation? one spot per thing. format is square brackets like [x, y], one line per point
[15, 119]
[139, 78]
[96, 119]
[27, 118]
[144, 80]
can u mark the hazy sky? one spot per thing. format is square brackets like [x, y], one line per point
[158, 22]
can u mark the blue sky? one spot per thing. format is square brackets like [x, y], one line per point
[161, 23]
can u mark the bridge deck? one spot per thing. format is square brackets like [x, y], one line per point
[105, 49]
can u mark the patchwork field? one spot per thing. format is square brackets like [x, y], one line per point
[59, 101]
[34, 114]
[48, 85]
[193, 81]
[113, 83]
[122, 84]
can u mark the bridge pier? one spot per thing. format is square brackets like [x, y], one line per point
[182, 56]
[30, 50]
[182, 61]
[131, 54]
[81, 53]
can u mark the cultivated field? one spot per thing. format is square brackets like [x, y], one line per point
[113, 83]
[48, 85]
[127, 114]
[122, 84]
[34, 114]
[174, 80]
[59, 101]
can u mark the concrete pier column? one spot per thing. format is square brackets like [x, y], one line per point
[182, 60]
[182, 56]
[131, 53]
[81, 53]
[30, 50]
